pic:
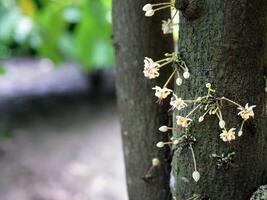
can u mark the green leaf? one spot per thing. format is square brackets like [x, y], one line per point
[2, 70]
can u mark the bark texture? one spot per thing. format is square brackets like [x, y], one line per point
[225, 47]
[136, 36]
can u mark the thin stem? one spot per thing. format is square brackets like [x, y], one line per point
[241, 127]
[165, 64]
[194, 100]
[193, 197]
[163, 7]
[169, 79]
[217, 108]
[150, 171]
[162, 60]
[174, 15]
[180, 138]
[183, 66]
[159, 4]
[151, 168]
[218, 115]
[192, 111]
[226, 99]
[193, 155]
[168, 142]
[209, 91]
[205, 113]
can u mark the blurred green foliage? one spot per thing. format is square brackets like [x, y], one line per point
[2, 70]
[76, 30]
[4, 130]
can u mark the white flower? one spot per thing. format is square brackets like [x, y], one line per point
[151, 68]
[163, 129]
[155, 162]
[177, 103]
[151, 72]
[227, 136]
[147, 7]
[196, 176]
[222, 123]
[183, 121]
[186, 75]
[240, 133]
[167, 26]
[148, 62]
[160, 144]
[246, 112]
[179, 81]
[201, 119]
[162, 93]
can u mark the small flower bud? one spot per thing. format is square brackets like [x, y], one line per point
[196, 176]
[175, 142]
[208, 85]
[186, 75]
[160, 144]
[201, 119]
[149, 13]
[240, 133]
[155, 162]
[163, 129]
[214, 155]
[222, 123]
[147, 7]
[179, 81]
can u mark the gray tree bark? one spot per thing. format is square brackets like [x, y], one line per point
[135, 37]
[225, 47]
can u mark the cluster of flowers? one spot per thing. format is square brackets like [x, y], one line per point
[152, 68]
[207, 105]
[211, 105]
[167, 25]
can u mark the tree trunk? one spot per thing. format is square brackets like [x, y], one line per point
[225, 47]
[135, 37]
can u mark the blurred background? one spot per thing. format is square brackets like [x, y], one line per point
[59, 129]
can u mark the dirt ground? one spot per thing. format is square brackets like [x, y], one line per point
[68, 153]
